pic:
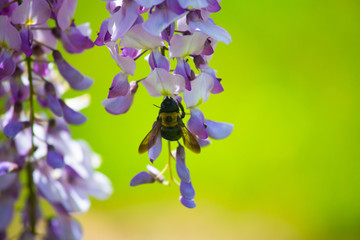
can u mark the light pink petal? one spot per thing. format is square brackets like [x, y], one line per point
[66, 13]
[196, 124]
[45, 37]
[218, 130]
[200, 90]
[161, 83]
[127, 64]
[137, 37]
[193, 3]
[154, 151]
[121, 104]
[122, 20]
[148, 3]
[160, 19]
[120, 85]
[31, 12]
[182, 46]
[9, 36]
[210, 28]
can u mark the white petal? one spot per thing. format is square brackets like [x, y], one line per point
[182, 46]
[200, 90]
[137, 37]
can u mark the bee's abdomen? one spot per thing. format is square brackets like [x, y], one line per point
[171, 133]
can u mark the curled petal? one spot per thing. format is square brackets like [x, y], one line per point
[7, 65]
[142, 178]
[7, 167]
[182, 46]
[76, 80]
[187, 190]
[76, 38]
[26, 41]
[168, 32]
[196, 124]
[157, 60]
[194, 3]
[104, 35]
[54, 159]
[71, 116]
[121, 104]
[120, 85]
[9, 36]
[213, 6]
[200, 90]
[31, 12]
[161, 83]
[160, 19]
[129, 52]
[209, 28]
[217, 88]
[63, 227]
[183, 69]
[127, 64]
[122, 20]
[218, 130]
[187, 203]
[148, 3]
[182, 170]
[13, 128]
[137, 37]
[154, 151]
[66, 13]
[54, 105]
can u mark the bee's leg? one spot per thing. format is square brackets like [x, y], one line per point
[182, 109]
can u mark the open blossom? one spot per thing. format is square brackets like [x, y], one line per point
[170, 33]
[59, 169]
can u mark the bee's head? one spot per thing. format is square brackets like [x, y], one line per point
[169, 105]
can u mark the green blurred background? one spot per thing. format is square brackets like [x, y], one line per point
[290, 169]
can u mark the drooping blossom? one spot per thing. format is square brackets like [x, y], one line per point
[34, 75]
[178, 39]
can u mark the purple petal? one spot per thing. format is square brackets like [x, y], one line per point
[211, 29]
[197, 4]
[127, 64]
[183, 69]
[129, 52]
[65, 14]
[6, 211]
[64, 227]
[203, 142]
[182, 46]
[31, 12]
[138, 38]
[200, 90]
[161, 83]
[13, 128]
[7, 167]
[155, 173]
[104, 35]
[196, 124]
[157, 60]
[19, 91]
[213, 6]
[142, 178]
[121, 104]
[187, 203]
[148, 3]
[76, 80]
[218, 130]
[26, 41]
[175, 6]
[54, 159]
[76, 39]
[7, 65]
[217, 88]
[160, 19]
[182, 170]
[54, 105]
[208, 49]
[168, 32]
[120, 85]
[9, 36]
[122, 20]
[187, 190]
[154, 151]
[71, 116]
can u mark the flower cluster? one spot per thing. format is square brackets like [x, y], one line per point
[35, 140]
[180, 37]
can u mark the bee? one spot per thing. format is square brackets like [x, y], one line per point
[171, 127]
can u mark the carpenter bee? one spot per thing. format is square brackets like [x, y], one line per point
[171, 127]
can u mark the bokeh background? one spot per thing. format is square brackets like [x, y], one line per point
[290, 169]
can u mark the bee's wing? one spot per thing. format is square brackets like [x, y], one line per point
[188, 138]
[150, 138]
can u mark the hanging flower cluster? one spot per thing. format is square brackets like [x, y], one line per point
[35, 141]
[178, 33]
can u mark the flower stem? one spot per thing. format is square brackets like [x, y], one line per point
[172, 179]
[140, 55]
[29, 167]
[8, 4]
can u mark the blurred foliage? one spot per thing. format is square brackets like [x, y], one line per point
[290, 170]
